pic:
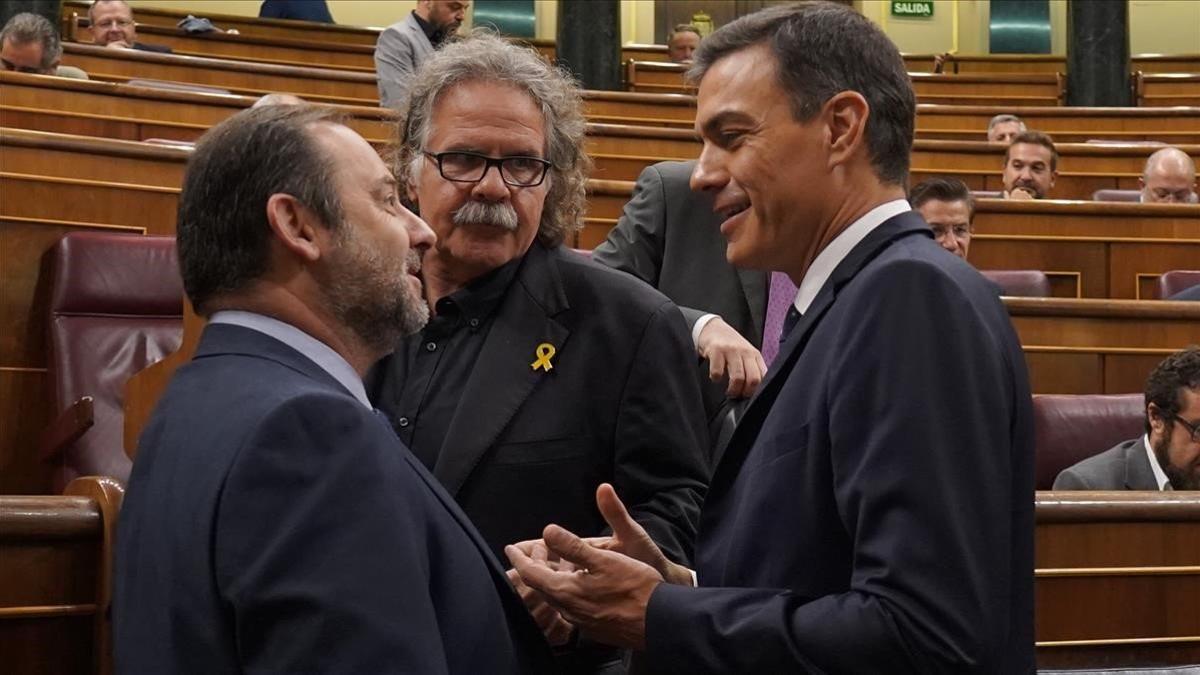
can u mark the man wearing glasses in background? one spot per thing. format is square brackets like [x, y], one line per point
[541, 374]
[1167, 457]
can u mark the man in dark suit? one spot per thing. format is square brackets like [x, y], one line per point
[873, 512]
[273, 522]
[668, 236]
[1167, 457]
[111, 24]
[541, 373]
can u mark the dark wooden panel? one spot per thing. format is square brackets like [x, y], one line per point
[23, 416]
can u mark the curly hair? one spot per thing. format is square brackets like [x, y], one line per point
[485, 57]
[1179, 370]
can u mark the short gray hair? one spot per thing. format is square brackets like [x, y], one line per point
[683, 28]
[484, 57]
[92, 6]
[28, 27]
[820, 50]
[1004, 118]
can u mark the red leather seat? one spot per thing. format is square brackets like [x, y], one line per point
[1177, 281]
[116, 306]
[1022, 283]
[1107, 195]
[1069, 429]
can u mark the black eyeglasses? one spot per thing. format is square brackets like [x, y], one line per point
[1193, 428]
[470, 167]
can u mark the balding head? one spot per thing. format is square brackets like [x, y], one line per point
[1169, 178]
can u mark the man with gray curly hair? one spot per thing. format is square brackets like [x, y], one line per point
[540, 374]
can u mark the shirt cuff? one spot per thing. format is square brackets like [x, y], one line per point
[695, 579]
[699, 326]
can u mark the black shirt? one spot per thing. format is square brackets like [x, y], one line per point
[436, 35]
[441, 358]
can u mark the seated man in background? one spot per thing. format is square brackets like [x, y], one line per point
[402, 47]
[669, 237]
[1004, 128]
[541, 373]
[1167, 457]
[682, 43]
[946, 204]
[112, 26]
[273, 522]
[1169, 178]
[1030, 166]
[29, 44]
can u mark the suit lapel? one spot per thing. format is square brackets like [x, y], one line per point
[754, 289]
[1138, 473]
[747, 429]
[503, 376]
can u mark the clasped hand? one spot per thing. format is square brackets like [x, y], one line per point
[602, 585]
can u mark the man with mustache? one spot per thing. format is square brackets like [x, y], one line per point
[1030, 166]
[541, 374]
[1167, 456]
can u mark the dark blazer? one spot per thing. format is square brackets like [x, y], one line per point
[874, 510]
[157, 49]
[1124, 467]
[273, 524]
[528, 447]
[669, 237]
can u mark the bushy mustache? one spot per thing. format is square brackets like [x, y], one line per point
[498, 214]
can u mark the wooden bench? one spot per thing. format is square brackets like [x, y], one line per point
[238, 77]
[1117, 579]
[993, 89]
[124, 111]
[246, 25]
[1083, 167]
[1167, 89]
[1088, 249]
[56, 579]
[252, 48]
[1093, 346]
[1043, 63]
[1066, 124]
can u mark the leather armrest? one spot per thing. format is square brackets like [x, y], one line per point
[66, 429]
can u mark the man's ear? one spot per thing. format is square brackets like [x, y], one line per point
[846, 116]
[295, 226]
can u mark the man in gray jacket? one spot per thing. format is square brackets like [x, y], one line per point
[1167, 457]
[406, 44]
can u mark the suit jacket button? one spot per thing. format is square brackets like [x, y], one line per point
[403, 421]
[430, 346]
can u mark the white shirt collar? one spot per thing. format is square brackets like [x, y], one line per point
[313, 349]
[837, 250]
[1160, 477]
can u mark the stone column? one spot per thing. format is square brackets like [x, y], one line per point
[589, 42]
[1098, 53]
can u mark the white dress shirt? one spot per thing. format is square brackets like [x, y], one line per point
[837, 250]
[1160, 477]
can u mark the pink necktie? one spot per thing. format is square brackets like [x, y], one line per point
[780, 296]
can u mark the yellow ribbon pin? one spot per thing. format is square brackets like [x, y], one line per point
[544, 352]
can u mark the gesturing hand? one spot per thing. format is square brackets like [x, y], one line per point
[630, 538]
[605, 595]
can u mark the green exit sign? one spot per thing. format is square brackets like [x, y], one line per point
[921, 8]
